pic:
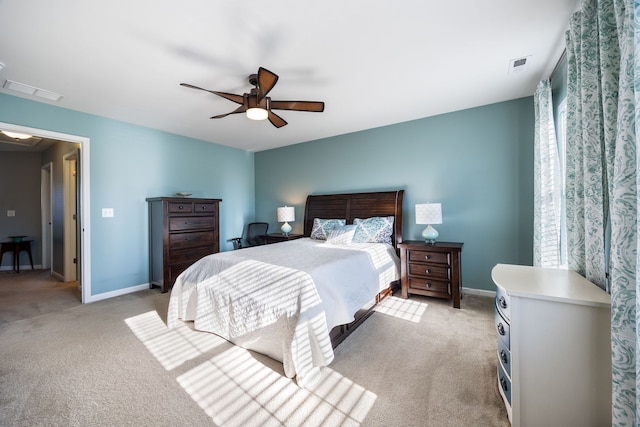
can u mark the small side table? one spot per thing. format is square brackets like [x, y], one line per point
[279, 237]
[431, 270]
[16, 248]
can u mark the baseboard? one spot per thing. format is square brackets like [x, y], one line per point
[26, 267]
[117, 293]
[479, 292]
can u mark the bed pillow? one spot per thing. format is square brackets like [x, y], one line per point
[322, 227]
[341, 235]
[376, 229]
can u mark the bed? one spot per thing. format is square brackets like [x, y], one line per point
[295, 301]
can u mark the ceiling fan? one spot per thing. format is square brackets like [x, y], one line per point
[257, 105]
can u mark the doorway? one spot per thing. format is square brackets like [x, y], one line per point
[82, 196]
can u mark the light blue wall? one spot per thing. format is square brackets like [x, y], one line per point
[478, 163]
[129, 163]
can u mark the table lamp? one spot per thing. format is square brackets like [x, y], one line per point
[429, 213]
[286, 214]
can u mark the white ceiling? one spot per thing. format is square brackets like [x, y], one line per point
[372, 62]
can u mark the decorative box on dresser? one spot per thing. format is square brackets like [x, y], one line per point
[554, 347]
[431, 269]
[181, 231]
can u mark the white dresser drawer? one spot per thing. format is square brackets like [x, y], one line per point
[504, 357]
[503, 329]
[503, 302]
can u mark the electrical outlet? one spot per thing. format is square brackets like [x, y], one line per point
[107, 212]
[11, 213]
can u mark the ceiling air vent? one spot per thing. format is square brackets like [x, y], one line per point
[519, 65]
[31, 90]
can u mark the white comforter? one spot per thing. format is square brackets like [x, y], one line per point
[283, 299]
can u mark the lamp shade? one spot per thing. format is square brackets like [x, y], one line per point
[429, 213]
[286, 214]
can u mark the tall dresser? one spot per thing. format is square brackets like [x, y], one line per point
[553, 332]
[181, 231]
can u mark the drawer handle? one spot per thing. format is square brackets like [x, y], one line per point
[428, 271]
[180, 207]
[204, 208]
[501, 328]
[427, 257]
[503, 384]
[503, 356]
[428, 285]
[503, 302]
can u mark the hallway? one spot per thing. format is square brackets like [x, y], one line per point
[32, 293]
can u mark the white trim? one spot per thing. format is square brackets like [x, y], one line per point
[23, 268]
[118, 292]
[479, 292]
[85, 202]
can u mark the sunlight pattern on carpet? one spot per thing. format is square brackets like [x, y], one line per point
[236, 389]
[401, 308]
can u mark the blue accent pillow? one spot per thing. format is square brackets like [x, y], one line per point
[376, 229]
[322, 227]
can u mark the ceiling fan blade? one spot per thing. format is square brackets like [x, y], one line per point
[276, 120]
[266, 81]
[238, 99]
[313, 106]
[240, 109]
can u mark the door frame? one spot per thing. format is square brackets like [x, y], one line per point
[84, 199]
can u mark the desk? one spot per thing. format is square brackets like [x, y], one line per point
[16, 248]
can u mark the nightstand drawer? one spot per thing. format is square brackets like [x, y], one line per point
[429, 271]
[429, 256]
[437, 288]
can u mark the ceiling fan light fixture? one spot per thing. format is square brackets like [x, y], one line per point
[16, 135]
[257, 113]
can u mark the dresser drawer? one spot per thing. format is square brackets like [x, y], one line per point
[178, 256]
[439, 288]
[429, 271]
[504, 384]
[429, 256]
[190, 240]
[503, 329]
[191, 223]
[204, 207]
[503, 303]
[180, 207]
[504, 357]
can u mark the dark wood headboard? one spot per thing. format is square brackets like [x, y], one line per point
[356, 205]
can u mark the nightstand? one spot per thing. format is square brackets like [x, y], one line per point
[279, 237]
[431, 270]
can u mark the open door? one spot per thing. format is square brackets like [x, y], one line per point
[46, 191]
[70, 184]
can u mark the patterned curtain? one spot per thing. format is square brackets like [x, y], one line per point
[547, 182]
[602, 175]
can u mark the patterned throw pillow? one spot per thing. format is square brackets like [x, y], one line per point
[322, 227]
[341, 235]
[377, 229]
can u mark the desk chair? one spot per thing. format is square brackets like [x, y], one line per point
[252, 236]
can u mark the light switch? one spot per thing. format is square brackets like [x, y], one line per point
[107, 212]
[11, 213]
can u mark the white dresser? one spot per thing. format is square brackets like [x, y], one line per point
[554, 347]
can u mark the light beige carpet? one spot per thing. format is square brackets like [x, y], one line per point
[415, 362]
